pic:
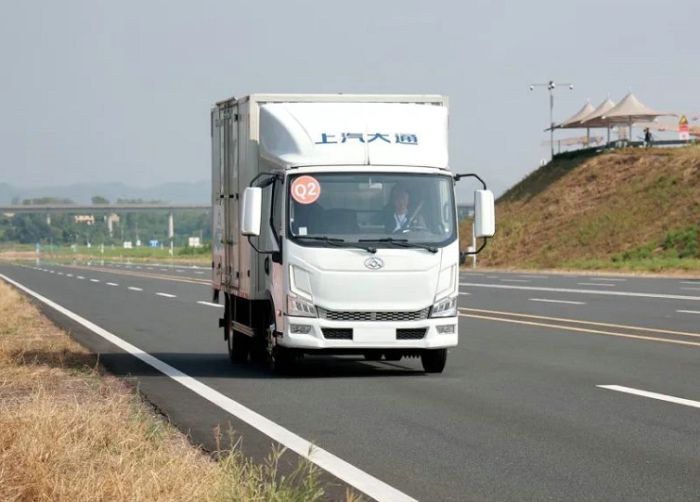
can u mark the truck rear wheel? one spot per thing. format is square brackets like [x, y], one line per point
[238, 347]
[434, 360]
[238, 343]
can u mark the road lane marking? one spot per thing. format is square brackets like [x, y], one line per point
[112, 284]
[556, 301]
[515, 280]
[211, 304]
[465, 294]
[696, 283]
[578, 321]
[690, 289]
[69, 275]
[534, 276]
[81, 277]
[94, 280]
[688, 311]
[362, 481]
[611, 280]
[652, 395]
[135, 289]
[596, 284]
[583, 330]
[582, 291]
[166, 295]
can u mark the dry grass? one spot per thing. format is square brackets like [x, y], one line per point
[587, 210]
[69, 432]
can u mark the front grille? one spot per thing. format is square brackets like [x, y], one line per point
[410, 334]
[342, 315]
[337, 333]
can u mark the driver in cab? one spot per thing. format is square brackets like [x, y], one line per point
[398, 217]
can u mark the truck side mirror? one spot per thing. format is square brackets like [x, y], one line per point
[251, 213]
[484, 214]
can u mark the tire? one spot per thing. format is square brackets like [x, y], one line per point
[238, 344]
[281, 360]
[434, 360]
[238, 347]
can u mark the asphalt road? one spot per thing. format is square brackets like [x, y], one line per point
[563, 387]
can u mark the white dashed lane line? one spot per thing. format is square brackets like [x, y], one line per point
[135, 289]
[94, 280]
[166, 295]
[211, 304]
[81, 277]
[688, 311]
[112, 284]
[545, 300]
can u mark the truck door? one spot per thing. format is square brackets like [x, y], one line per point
[273, 222]
[230, 124]
[217, 202]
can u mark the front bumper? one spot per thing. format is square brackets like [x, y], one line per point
[325, 334]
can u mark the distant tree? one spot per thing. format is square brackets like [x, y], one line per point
[46, 200]
[97, 199]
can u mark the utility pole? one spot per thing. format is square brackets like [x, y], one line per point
[551, 85]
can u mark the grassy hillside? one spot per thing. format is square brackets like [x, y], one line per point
[599, 210]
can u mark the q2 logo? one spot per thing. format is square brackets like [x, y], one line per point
[306, 190]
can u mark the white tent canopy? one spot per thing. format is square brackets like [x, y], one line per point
[630, 109]
[595, 119]
[571, 122]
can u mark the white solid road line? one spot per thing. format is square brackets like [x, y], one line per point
[556, 301]
[696, 283]
[135, 289]
[652, 395]
[611, 280]
[338, 467]
[211, 304]
[534, 276]
[514, 280]
[688, 311]
[166, 295]
[112, 284]
[596, 284]
[582, 291]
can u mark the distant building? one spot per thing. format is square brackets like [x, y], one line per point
[465, 211]
[194, 242]
[82, 218]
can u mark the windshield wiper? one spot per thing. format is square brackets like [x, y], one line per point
[403, 243]
[334, 241]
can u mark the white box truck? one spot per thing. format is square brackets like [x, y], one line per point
[335, 227]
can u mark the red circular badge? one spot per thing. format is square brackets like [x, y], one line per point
[306, 190]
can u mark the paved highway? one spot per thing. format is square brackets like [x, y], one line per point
[563, 387]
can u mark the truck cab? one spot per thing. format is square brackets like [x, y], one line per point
[346, 231]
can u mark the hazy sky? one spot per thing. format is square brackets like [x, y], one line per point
[120, 91]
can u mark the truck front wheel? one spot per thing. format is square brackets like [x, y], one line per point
[434, 360]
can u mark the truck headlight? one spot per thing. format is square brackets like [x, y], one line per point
[447, 307]
[298, 307]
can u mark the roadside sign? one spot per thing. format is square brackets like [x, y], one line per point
[683, 129]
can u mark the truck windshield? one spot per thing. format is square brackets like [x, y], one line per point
[381, 210]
